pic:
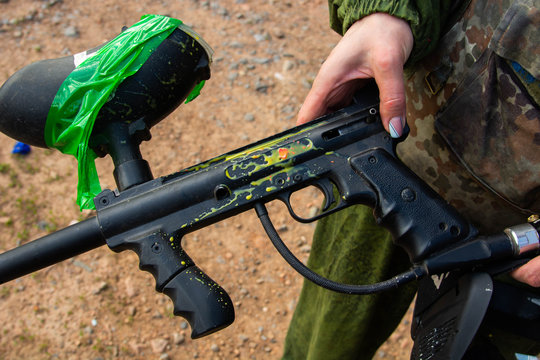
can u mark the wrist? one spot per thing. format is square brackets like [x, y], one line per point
[388, 30]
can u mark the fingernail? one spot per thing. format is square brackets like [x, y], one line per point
[396, 127]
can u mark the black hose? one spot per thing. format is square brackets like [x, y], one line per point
[403, 278]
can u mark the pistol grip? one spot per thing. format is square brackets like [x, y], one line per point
[196, 297]
[418, 218]
[201, 301]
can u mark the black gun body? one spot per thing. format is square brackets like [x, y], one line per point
[234, 182]
[347, 153]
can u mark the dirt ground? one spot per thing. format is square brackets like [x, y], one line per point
[99, 305]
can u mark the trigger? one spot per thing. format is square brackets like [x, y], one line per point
[326, 186]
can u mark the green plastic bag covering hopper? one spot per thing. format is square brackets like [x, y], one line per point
[105, 100]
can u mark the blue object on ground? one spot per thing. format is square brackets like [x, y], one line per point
[21, 148]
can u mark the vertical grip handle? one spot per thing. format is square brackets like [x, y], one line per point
[196, 297]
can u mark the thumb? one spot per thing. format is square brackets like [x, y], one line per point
[313, 106]
[391, 85]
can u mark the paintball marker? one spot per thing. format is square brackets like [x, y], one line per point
[347, 155]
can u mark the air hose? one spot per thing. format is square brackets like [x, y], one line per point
[403, 278]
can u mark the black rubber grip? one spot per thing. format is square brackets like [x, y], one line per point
[196, 297]
[201, 301]
[417, 217]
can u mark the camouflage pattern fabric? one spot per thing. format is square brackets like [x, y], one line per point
[491, 124]
[484, 161]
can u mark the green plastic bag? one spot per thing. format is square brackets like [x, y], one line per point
[83, 93]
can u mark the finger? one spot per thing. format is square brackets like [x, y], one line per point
[388, 73]
[529, 273]
[313, 107]
[331, 84]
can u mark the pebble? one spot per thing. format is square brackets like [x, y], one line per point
[261, 37]
[100, 288]
[158, 345]
[288, 65]
[249, 117]
[278, 33]
[236, 45]
[178, 339]
[261, 61]
[214, 348]
[43, 225]
[131, 290]
[243, 338]
[71, 31]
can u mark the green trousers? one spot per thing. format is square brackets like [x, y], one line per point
[348, 247]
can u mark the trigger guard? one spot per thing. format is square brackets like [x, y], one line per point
[326, 186]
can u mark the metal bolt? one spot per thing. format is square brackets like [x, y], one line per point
[408, 195]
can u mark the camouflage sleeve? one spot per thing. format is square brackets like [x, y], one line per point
[426, 17]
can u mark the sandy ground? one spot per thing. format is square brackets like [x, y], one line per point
[99, 305]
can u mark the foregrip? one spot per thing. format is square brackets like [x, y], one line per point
[196, 297]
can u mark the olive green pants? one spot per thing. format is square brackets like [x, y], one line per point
[348, 247]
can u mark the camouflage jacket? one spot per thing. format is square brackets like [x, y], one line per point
[472, 102]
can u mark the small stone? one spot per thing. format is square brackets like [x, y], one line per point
[71, 31]
[249, 117]
[158, 345]
[131, 290]
[101, 288]
[236, 45]
[261, 61]
[260, 37]
[288, 65]
[178, 339]
[214, 348]
[243, 338]
[278, 33]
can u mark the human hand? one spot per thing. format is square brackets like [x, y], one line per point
[529, 273]
[377, 46]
